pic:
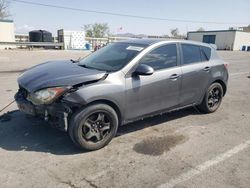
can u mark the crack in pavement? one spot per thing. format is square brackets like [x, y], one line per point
[70, 183]
[90, 183]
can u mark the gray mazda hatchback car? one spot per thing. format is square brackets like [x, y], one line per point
[122, 82]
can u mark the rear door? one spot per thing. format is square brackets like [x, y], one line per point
[196, 74]
[161, 90]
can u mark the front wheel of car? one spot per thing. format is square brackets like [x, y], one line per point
[212, 98]
[93, 127]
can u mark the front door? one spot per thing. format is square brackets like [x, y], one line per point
[156, 92]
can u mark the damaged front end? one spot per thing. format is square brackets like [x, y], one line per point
[42, 90]
[55, 112]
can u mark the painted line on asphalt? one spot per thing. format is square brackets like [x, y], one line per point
[239, 73]
[204, 166]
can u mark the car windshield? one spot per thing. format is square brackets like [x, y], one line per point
[112, 57]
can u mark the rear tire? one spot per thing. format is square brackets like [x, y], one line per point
[212, 98]
[93, 127]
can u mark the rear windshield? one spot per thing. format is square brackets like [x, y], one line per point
[112, 57]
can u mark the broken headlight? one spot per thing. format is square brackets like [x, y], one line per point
[47, 96]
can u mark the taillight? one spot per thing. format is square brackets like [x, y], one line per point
[226, 65]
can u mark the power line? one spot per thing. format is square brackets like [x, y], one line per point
[125, 15]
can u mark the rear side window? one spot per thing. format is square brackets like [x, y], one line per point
[162, 57]
[205, 53]
[191, 54]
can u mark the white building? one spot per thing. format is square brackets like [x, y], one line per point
[6, 33]
[72, 39]
[223, 39]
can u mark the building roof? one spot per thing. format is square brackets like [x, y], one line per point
[216, 31]
[8, 21]
[39, 31]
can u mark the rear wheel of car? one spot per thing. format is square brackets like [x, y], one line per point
[93, 127]
[212, 98]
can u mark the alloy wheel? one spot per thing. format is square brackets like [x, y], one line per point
[96, 127]
[214, 98]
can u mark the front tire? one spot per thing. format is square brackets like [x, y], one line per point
[212, 98]
[93, 127]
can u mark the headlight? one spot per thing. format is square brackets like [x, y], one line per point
[47, 96]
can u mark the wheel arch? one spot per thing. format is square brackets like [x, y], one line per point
[111, 104]
[223, 84]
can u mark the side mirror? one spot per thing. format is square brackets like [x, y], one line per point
[143, 70]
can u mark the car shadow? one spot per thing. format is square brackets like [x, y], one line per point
[21, 133]
[156, 120]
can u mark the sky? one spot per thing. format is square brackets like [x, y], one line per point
[29, 17]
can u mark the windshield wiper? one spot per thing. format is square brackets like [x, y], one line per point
[74, 61]
[87, 67]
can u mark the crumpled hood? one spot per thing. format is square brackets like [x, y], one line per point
[57, 73]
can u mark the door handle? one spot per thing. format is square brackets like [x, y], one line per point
[174, 76]
[206, 69]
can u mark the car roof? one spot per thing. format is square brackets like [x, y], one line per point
[148, 42]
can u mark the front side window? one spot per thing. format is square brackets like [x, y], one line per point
[112, 57]
[191, 53]
[162, 57]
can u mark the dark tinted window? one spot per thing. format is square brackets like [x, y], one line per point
[210, 39]
[205, 53]
[162, 57]
[191, 53]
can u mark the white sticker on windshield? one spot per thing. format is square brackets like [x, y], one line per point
[135, 48]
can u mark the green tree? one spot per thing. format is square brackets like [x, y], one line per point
[4, 9]
[97, 30]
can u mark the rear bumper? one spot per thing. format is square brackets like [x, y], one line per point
[56, 114]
